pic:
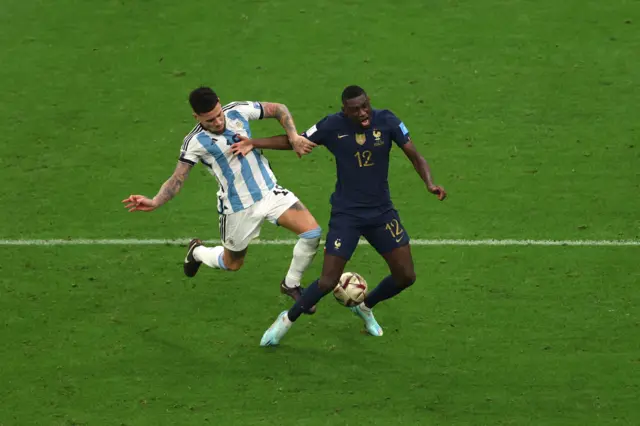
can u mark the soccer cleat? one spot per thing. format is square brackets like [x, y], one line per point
[191, 265]
[278, 329]
[370, 323]
[295, 293]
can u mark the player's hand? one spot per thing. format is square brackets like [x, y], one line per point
[139, 203]
[301, 145]
[437, 190]
[243, 146]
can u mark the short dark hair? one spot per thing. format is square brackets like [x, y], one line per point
[351, 92]
[203, 100]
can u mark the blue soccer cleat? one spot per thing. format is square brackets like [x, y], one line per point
[278, 329]
[370, 323]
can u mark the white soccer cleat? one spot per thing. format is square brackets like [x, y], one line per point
[278, 329]
[370, 323]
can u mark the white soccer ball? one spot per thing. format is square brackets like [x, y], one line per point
[351, 289]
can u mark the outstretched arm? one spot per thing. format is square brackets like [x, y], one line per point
[168, 190]
[273, 142]
[299, 143]
[245, 145]
[422, 167]
[173, 185]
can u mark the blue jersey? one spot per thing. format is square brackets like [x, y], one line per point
[362, 160]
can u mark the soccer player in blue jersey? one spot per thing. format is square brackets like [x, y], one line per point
[360, 138]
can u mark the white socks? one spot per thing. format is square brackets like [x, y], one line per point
[303, 254]
[212, 257]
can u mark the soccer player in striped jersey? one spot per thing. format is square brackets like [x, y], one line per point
[248, 191]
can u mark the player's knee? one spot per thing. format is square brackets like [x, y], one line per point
[311, 238]
[405, 279]
[233, 260]
[234, 265]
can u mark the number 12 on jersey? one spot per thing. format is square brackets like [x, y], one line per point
[364, 158]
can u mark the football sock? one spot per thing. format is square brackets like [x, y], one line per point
[310, 297]
[303, 254]
[212, 257]
[383, 291]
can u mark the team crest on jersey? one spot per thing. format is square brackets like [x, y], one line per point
[235, 125]
[361, 138]
[377, 134]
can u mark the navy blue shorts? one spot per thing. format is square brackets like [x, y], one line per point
[385, 233]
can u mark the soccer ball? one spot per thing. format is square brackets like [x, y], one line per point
[351, 289]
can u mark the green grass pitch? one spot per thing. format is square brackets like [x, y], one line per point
[527, 112]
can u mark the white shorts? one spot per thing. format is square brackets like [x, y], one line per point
[238, 229]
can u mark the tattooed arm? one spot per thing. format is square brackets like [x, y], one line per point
[168, 190]
[172, 186]
[281, 112]
[300, 144]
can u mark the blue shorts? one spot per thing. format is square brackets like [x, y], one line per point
[385, 233]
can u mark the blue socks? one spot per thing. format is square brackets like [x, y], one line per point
[310, 297]
[383, 291]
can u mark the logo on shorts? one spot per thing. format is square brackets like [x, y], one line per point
[337, 244]
[278, 190]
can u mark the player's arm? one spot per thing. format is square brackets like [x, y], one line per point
[423, 169]
[400, 135]
[280, 142]
[173, 185]
[313, 137]
[168, 190]
[244, 145]
[280, 112]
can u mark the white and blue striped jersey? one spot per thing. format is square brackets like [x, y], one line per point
[242, 181]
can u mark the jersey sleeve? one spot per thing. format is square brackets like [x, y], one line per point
[250, 110]
[318, 132]
[399, 132]
[191, 151]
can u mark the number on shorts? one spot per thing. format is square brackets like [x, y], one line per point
[221, 206]
[278, 190]
[395, 229]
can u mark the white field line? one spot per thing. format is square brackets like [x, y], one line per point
[415, 242]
